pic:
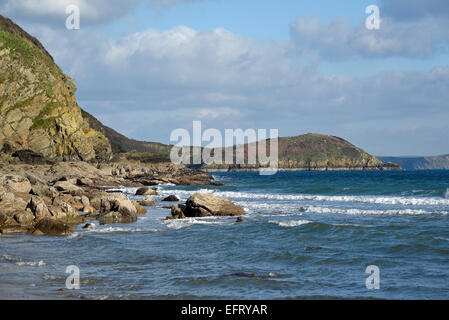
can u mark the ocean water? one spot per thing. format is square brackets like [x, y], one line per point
[306, 235]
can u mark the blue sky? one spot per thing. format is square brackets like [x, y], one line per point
[147, 67]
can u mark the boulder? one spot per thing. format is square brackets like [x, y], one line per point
[121, 203]
[203, 205]
[171, 198]
[117, 208]
[67, 187]
[16, 183]
[4, 220]
[84, 182]
[145, 191]
[43, 190]
[117, 217]
[52, 227]
[178, 211]
[38, 208]
[24, 218]
[139, 208]
[64, 212]
[147, 202]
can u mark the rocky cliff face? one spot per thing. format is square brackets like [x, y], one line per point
[38, 108]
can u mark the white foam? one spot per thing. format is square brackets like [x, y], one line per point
[354, 211]
[290, 223]
[121, 229]
[73, 235]
[177, 224]
[363, 199]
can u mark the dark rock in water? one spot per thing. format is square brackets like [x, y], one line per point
[88, 226]
[53, 227]
[246, 275]
[114, 191]
[239, 219]
[171, 198]
[311, 248]
[204, 205]
[178, 211]
[145, 191]
[255, 275]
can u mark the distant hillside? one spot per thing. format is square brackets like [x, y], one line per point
[137, 150]
[420, 163]
[312, 152]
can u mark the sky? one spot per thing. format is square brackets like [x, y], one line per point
[147, 67]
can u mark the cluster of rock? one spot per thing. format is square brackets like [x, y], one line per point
[50, 198]
[28, 204]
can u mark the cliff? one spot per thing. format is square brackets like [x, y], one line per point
[38, 108]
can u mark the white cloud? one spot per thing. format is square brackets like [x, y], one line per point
[338, 39]
[217, 113]
[46, 12]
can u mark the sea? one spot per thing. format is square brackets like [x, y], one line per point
[305, 235]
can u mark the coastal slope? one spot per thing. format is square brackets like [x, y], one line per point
[38, 108]
[309, 152]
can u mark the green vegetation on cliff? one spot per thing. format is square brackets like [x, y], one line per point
[38, 108]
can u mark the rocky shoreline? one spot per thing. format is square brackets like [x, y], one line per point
[49, 198]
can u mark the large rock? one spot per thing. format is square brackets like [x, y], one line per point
[117, 208]
[171, 198]
[147, 202]
[39, 208]
[64, 212]
[67, 187]
[139, 208]
[203, 205]
[24, 218]
[145, 191]
[15, 182]
[52, 227]
[117, 217]
[178, 211]
[5, 220]
[43, 190]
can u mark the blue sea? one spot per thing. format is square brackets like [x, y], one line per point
[306, 235]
